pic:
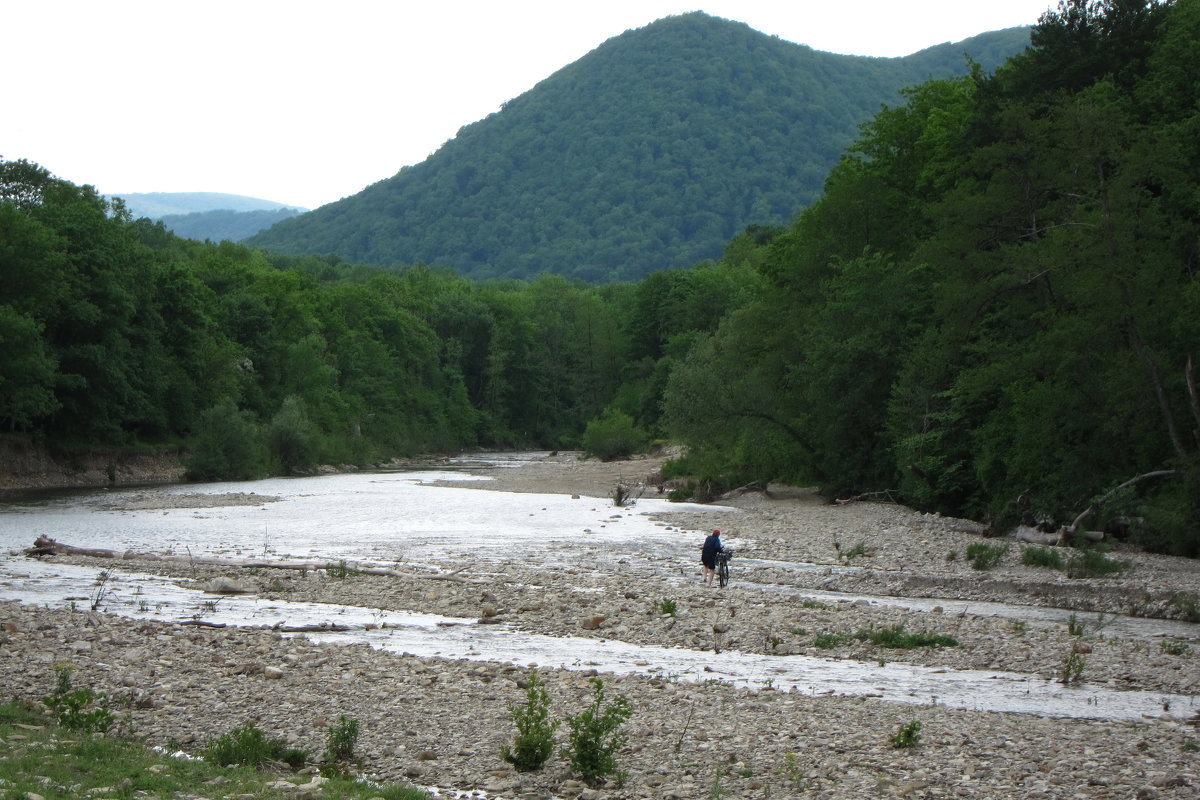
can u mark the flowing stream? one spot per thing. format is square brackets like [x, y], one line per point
[387, 518]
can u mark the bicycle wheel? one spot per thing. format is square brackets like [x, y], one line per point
[723, 571]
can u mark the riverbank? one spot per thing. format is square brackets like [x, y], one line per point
[26, 464]
[186, 683]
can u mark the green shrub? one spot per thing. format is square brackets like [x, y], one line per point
[227, 445]
[614, 435]
[1187, 606]
[82, 710]
[1048, 557]
[895, 638]
[827, 641]
[983, 556]
[1174, 647]
[907, 735]
[1092, 563]
[668, 607]
[859, 549]
[249, 746]
[291, 438]
[340, 569]
[341, 739]
[596, 735]
[1072, 669]
[534, 742]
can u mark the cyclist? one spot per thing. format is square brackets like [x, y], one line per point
[708, 555]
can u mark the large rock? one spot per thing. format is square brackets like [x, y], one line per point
[226, 585]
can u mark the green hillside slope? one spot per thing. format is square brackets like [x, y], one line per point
[648, 153]
[222, 224]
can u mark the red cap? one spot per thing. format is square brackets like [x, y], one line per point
[715, 530]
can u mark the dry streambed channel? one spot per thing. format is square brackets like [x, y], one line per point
[769, 687]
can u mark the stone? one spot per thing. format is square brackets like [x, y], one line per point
[227, 585]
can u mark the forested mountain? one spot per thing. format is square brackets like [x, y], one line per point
[648, 153]
[222, 224]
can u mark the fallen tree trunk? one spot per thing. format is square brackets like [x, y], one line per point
[1025, 533]
[45, 546]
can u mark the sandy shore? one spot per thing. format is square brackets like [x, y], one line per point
[442, 722]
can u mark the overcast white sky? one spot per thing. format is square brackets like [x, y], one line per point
[307, 102]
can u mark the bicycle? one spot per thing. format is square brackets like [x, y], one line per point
[723, 567]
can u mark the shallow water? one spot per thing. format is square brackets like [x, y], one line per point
[387, 518]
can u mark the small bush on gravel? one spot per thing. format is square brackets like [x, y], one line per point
[984, 556]
[534, 743]
[907, 735]
[1047, 557]
[1174, 647]
[1072, 669]
[341, 739]
[827, 641]
[895, 638]
[596, 735]
[249, 746]
[1186, 605]
[1095, 564]
[82, 710]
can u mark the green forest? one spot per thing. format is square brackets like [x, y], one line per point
[648, 153]
[992, 310]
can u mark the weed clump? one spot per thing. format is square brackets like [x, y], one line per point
[82, 710]
[983, 556]
[827, 641]
[1047, 557]
[1095, 564]
[895, 638]
[249, 746]
[907, 735]
[341, 739]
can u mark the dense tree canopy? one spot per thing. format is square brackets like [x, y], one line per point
[993, 308]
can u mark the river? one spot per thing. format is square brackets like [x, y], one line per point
[400, 518]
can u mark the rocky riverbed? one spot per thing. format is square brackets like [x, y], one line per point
[799, 568]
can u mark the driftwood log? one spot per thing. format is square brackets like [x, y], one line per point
[45, 546]
[1026, 533]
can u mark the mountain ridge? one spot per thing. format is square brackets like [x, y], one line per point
[155, 205]
[649, 152]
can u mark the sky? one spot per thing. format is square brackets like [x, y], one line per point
[304, 102]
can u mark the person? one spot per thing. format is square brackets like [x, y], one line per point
[708, 555]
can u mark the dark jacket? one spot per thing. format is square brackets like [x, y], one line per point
[712, 546]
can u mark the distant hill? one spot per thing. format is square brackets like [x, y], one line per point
[224, 224]
[649, 152]
[208, 215]
[157, 205]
